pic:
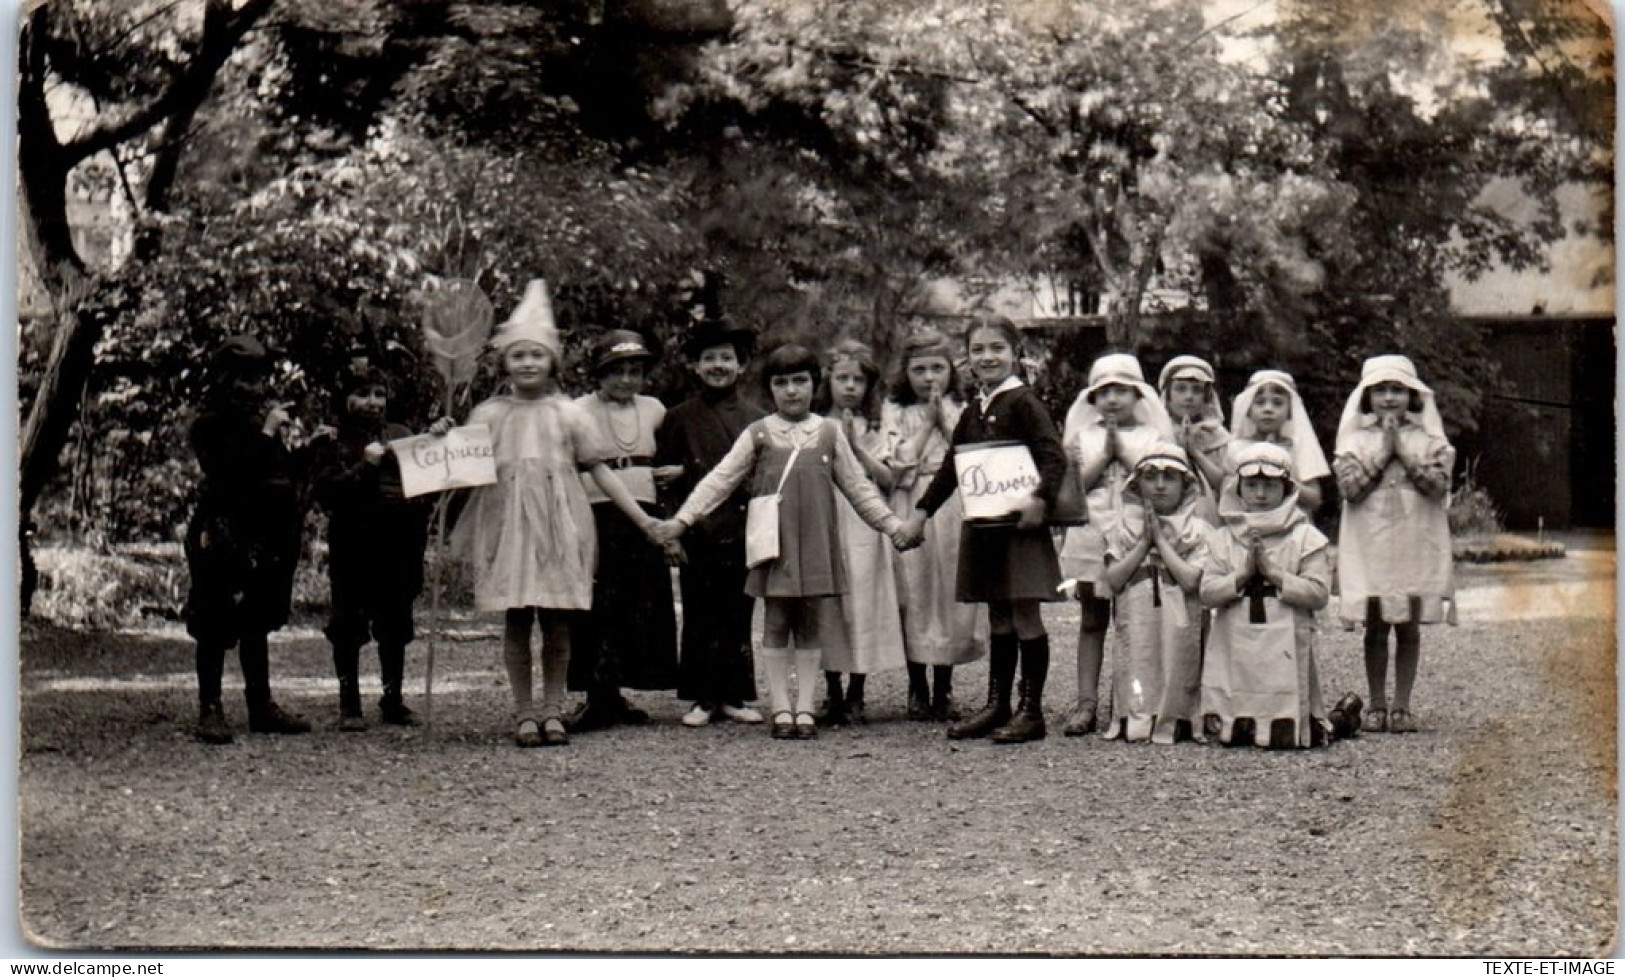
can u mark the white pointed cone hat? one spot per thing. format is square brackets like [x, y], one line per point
[531, 322]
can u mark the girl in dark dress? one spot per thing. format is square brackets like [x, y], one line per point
[802, 459]
[1010, 566]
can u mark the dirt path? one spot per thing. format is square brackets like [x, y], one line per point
[1490, 833]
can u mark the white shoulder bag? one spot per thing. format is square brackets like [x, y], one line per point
[762, 520]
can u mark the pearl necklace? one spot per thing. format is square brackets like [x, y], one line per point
[627, 446]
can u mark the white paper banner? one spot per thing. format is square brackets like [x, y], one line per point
[462, 458]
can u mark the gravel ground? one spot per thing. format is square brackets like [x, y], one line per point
[1491, 833]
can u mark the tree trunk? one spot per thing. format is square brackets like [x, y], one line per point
[44, 163]
[43, 217]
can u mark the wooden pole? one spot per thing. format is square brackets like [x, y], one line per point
[436, 621]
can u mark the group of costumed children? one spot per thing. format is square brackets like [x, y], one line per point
[1195, 539]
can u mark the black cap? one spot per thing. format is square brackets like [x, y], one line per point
[363, 378]
[237, 356]
[718, 332]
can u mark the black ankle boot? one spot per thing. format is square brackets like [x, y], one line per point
[393, 710]
[601, 711]
[942, 694]
[919, 695]
[350, 718]
[856, 710]
[1001, 675]
[1028, 722]
[346, 665]
[212, 727]
[392, 669]
[834, 710]
[268, 717]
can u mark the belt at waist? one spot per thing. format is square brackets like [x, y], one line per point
[630, 461]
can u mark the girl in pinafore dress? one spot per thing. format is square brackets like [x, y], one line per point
[1265, 571]
[1115, 420]
[1394, 566]
[1151, 569]
[809, 457]
[1270, 410]
[1010, 567]
[529, 536]
[938, 631]
[863, 631]
[1190, 392]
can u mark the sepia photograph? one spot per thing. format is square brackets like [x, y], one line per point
[816, 478]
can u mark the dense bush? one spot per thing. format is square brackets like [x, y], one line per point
[1472, 511]
[144, 585]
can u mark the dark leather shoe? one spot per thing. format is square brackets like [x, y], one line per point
[1081, 722]
[528, 735]
[592, 716]
[394, 712]
[211, 725]
[1025, 726]
[1345, 716]
[981, 723]
[834, 713]
[270, 718]
[553, 732]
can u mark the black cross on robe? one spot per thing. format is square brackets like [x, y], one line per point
[1256, 589]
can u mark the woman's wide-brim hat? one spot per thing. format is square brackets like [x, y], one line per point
[531, 322]
[618, 345]
[707, 333]
[1264, 458]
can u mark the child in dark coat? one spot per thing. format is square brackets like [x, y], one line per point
[376, 538]
[716, 668]
[242, 542]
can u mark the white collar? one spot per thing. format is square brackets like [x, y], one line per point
[809, 423]
[985, 397]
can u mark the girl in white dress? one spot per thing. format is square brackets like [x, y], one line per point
[863, 633]
[938, 631]
[1394, 565]
[1115, 420]
[1270, 410]
[529, 536]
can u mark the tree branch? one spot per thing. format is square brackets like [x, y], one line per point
[222, 30]
[1050, 128]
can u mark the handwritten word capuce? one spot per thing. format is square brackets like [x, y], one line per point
[461, 459]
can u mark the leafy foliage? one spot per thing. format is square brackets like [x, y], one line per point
[1299, 205]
